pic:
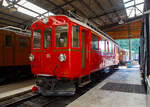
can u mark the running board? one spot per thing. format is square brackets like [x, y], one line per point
[84, 83]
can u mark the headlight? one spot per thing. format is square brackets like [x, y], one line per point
[62, 57]
[31, 57]
[45, 20]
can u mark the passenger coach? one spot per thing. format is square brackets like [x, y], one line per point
[66, 52]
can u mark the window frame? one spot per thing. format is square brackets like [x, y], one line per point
[51, 40]
[92, 35]
[25, 42]
[106, 46]
[110, 47]
[80, 29]
[32, 43]
[54, 40]
[101, 39]
[11, 40]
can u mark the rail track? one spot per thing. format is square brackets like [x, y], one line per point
[36, 100]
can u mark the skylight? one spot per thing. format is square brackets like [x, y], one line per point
[29, 8]
[25, 11]
[134, 7]
[32, 6]
[5, 3]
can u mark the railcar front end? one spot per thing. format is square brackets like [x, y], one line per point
[50, 56]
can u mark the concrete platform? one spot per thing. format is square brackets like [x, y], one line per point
[98, 97]
[14, 89]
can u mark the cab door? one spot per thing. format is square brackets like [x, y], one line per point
[47, 50]
[85, 50]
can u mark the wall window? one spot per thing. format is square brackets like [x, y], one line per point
[8, 40]
[22, 42]
[75, 36]
[47, 38]
[61, 36]
[102, 45]
[37, 38]
[94, 42]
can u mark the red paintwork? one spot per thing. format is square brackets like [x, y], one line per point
[34, 89]
[71, 68]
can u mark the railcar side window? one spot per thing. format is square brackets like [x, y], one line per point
[8, 40]
[22, 42]
[110, 47]
[47, 38]
[37, 38]
[94, 42]
[102, 45]
[113, 49]
[75, 36]
[61, 36]
[107, 46]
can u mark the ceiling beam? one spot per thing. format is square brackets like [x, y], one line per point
[88, 7]
[75, 8]
[111, 4]
[6, 24]
[106, 27]
[113, 11]
[66, 3]
[6, 19]
[101, 8]
[11, 16]
[57, 7]
[118, 30]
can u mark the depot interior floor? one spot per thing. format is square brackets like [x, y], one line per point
[13, 89]
[122, 89]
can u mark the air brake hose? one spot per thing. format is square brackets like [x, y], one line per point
[55, 70]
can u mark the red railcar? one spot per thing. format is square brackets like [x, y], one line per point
[65, 52]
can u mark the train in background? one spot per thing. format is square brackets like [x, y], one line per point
[66, 53]
[123, 56]
[14, 53]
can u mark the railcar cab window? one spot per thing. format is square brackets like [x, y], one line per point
[75, 36]
[102, 45]
[94, 42]
[8, 40]
[61, 36]
[37, 38]
[47, 38]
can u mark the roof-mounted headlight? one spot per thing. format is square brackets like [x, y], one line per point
[31, 57]
[62, 57]
[45, 20]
